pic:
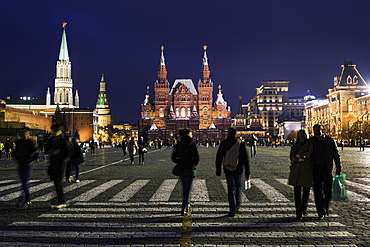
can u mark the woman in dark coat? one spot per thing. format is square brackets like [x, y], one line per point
[186, 154]
[300, 172]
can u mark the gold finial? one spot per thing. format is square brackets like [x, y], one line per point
[147, 87]
[205, 47]
[240, 97]
[162, 47]
[219, 86]
[64, 24]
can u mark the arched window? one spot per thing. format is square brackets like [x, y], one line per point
[183, 112]
[161, 112]
[205, 111]
[188, 112]
[349, 79]
[177, 112]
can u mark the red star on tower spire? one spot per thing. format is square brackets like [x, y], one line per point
[64, 24]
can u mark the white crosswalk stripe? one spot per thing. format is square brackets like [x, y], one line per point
[49, 196]
[164, 191]
[90, 194]
[271, 193]
[33, 189]
[127, 193]
[199, 191]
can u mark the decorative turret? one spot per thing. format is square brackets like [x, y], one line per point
[205, 73]
[220, 99]
[162, 72]
[104, 117]
[77, 100]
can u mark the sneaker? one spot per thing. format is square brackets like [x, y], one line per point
[77, 181]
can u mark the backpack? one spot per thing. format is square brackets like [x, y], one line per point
[232, 156]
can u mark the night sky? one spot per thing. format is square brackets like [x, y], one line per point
[303, 41]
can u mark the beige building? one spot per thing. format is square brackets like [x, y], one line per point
[347, 102]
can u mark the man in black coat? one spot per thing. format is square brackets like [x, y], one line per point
[59, 149]
[325, 151]
[233, 177]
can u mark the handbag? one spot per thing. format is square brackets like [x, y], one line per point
[178, 170]
[339, 187]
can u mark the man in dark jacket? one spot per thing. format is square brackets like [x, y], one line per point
[233, 177]
[58, 148]
[25, 153]
[325, 151]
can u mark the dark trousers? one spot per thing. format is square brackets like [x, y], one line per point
[132, 158]
[141, 157]
[59, 190]
[323, 184]
[187, 182]
[73, 164]
[25, 172]
[234, 193]
[301, 200]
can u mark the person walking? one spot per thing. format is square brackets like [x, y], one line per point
[8, 148]
[75, 161]
[132, 149]
[58, 148]
[141, 150]
[185, 153]
[25, 153]
[300, 175]
[253, 144]
[233, 155]
[325, 151]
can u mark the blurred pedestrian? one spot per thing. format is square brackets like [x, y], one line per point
[300, 175]
[186, 154]
[58, 148]
[142, 150]
[8, 148]
[325, 151]
[253, 144]
[132, 149]
[233, 168]
[25, 153]
[75, 161]
[124, 147]
[92, 147]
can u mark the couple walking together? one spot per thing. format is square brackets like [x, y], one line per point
[185, 152]
[312, 166]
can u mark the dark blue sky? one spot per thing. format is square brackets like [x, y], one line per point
[248, 42]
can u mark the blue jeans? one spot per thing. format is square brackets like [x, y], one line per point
[187, 182]
[25, 172]
[234, 193]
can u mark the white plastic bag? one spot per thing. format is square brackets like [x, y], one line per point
[247, 184]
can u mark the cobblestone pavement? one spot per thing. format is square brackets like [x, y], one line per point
[118, 204]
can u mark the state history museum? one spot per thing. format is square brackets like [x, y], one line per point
[183, 105]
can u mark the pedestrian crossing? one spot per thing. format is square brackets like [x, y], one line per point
[10, 190]
[125, 218]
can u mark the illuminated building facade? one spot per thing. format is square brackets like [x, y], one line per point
[347, 102]
[271, 113]
[182, 105]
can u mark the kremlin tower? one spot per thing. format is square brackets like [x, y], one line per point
[63, 85]
[102, 106]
